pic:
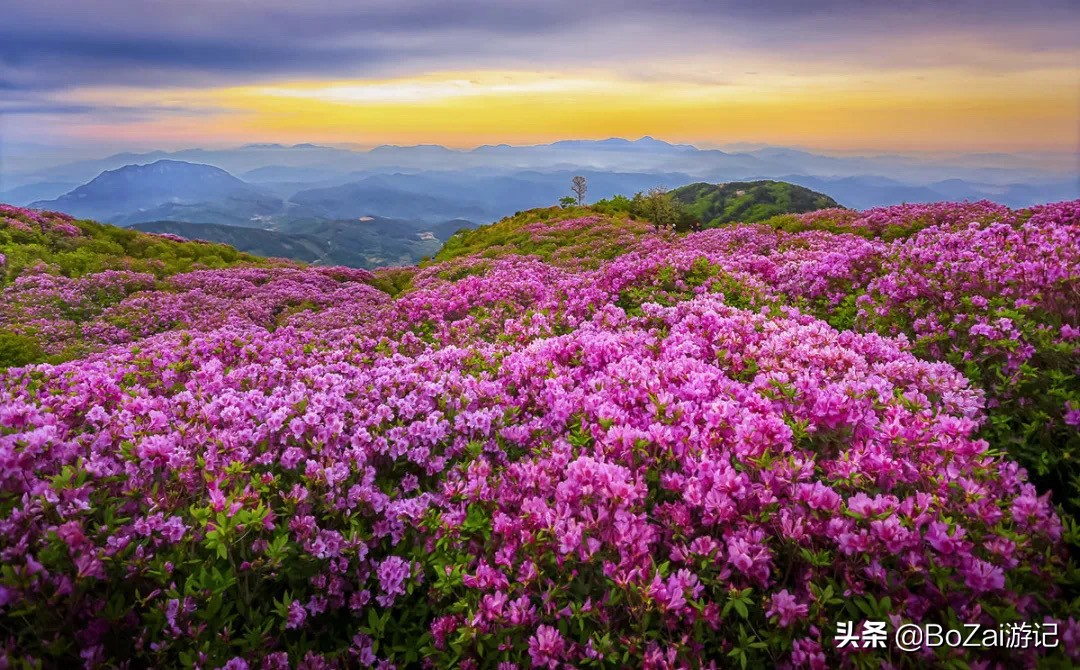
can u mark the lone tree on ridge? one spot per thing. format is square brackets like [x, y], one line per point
[579, 186]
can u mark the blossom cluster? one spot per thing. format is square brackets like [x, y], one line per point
[899, 220]
[623, 449]
[33, 220]
[116, 307]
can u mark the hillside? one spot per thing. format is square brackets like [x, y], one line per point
[44, 254]
[256, 241]
[717, 204]
[570, 440]
[375, 242]
[72, 247]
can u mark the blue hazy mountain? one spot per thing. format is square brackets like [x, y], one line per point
[614, 154]
[472, 195]
[379, 196]
[166, 189]
[619, 144]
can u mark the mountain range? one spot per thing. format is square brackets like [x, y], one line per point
[198, 193]
[387, 204]
[952, 176]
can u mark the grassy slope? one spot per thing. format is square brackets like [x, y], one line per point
[521, 234]
[99, 247]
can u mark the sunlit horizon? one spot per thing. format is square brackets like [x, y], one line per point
[967, 78]
[470, 109]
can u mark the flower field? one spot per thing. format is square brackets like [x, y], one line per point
[566, 442]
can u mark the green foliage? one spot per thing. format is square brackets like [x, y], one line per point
[705, 205]
[614, 206]
[394, 281]
[672, 285]
[657, 207]
[16, 350]
[103, 247]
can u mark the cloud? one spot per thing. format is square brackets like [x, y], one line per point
[59, 44]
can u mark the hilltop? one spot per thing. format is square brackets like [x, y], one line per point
[716, 204]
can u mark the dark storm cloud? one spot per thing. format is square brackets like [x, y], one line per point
[57, 44]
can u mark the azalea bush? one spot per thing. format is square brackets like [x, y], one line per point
[626, 449]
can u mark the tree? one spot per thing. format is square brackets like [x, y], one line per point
[658, 207]
[579, 186]
[567, 200]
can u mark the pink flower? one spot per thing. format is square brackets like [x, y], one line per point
[786, 607]
[546, 647]
[982, 576]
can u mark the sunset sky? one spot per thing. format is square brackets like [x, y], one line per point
[839, 74]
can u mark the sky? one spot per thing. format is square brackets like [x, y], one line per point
[842, 75]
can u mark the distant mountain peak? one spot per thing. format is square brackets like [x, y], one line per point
[643, 143]
[140, 191]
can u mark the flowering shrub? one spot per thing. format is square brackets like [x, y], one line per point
[897, 221]
[70, 287]
[624, 450]
[68, 317]
[700, 472]
[1001, 302]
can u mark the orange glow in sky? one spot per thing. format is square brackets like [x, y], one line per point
[892, 110]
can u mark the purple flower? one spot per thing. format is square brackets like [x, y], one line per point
[297, 615]
[393, 572]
